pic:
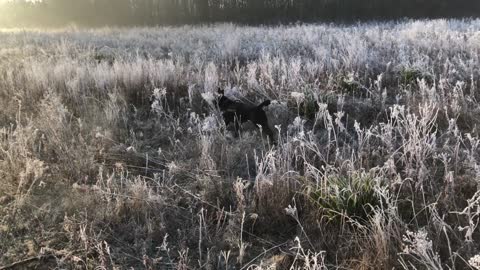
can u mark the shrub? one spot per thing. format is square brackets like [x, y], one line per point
[409, 76]
[351, 197]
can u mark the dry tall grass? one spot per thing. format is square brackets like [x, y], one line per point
[112, 155]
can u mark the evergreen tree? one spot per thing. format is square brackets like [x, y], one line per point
[158, 12]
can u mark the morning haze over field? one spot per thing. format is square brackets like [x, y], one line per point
[239, 134]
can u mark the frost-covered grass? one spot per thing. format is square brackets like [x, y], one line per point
[112, 155]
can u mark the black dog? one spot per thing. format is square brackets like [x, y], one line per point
[237, 112]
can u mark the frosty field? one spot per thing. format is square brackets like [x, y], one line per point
[113, 155]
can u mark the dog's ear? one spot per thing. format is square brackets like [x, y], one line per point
[221, 91]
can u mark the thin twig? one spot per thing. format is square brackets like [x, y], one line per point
[27, 260]
[262, 254]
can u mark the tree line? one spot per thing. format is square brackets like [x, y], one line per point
[162, 12]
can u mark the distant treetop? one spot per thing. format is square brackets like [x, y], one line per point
[24, 13]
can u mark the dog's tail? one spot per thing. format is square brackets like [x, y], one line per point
[265, 103]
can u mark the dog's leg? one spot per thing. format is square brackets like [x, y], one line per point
[268, 131]
[259, 118]
[228, 118]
